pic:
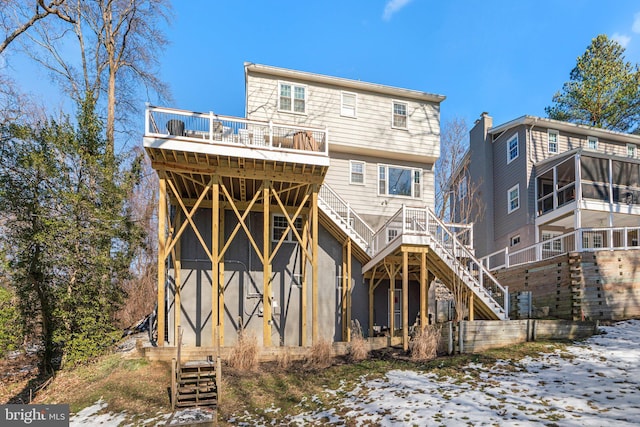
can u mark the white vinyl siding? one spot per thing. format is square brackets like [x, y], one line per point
[399, 181]
[348, 104]
[513, 151]
[399, 119]
[592, 143]
[552, 138]
[513, 198]
[293, 98]
[356, 172]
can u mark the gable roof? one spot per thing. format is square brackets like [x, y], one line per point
[342, 82]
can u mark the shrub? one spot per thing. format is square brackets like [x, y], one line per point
[358, 347]
[244, 356]
[319, 355]
[424, 344]
[10, 325]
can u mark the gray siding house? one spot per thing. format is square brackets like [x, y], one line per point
[550, 187]
[313, 210]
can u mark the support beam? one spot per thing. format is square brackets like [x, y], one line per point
[471, 309]
[349, 290]
[215, 284]
[314, 264]
[177, 269]
[343, 293]
[304, 284]
[162, 241]
[221, 277]
[405, 301]
[424, 291]
[371, 300]
[266, 267]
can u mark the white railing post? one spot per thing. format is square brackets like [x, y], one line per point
[146, 118]
[404, 219]
[270, 133]
[506, 257]
[506, 301]
[326, 141]
[348, 214]
[579, 240]
[211, 125]
[624, 239]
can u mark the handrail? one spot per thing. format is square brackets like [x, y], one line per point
[596, 239]
[218, 129]
[343, 210]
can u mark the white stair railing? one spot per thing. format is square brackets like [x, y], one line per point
[350, 221]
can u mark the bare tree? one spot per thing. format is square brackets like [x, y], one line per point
[118, 43]
[17, 17]
[457, 198]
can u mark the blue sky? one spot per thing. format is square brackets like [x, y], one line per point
[504, 57]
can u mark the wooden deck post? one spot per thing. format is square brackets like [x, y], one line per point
[405, 300]
[221, 277]
[266, 266]
[215, 286]
[343, 293]
[349, 290]
[304, 287]
[314, 264]
[162, 241]
[471, 309]
[424, 291]
[177, 267]
[392, 301]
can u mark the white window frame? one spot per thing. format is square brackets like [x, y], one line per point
[514, 240]
[351, 172]
[416, 181]
[631, 151]
[590, 140]
[292, 97]
[556, 134]
[345, 110]
[509, 191]
[510, 150]
[555, 245]
[291, 238]
[406, 115]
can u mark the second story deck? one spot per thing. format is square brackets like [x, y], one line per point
[189, 147]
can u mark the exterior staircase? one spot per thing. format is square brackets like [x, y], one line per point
[197, 385]
[452, 256]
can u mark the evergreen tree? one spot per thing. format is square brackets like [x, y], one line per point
[603, 91]
[70, 239]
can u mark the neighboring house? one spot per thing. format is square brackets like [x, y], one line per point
[550, 188]
[295, 220]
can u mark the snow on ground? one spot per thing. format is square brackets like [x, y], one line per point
[592, 383]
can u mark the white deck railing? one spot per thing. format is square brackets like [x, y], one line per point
[581, 240]
[215, 129]
[443, 240]
[350, 219]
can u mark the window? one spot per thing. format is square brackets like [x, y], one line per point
[348, 104]
[512, 152]
[400, 115]
[462, 188]
[555, 244]
[280, 225]
[357, 172]
[592, 143]
[513, 196]
[631, 150]
[515, 240]
[398, 181]
[552, 136]
[392, 233]
[292, 98]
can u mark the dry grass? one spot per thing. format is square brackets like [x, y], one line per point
[320, 355]
[424, 344]
[358, 347]
[284, 359]
[244, 356]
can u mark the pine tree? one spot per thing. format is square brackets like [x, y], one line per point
[603, 91]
